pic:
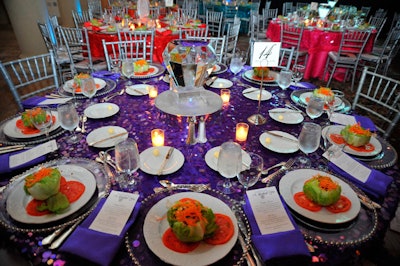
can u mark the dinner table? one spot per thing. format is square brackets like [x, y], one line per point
[318, 42]
[194, 162]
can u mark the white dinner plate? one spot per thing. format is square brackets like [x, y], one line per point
[106, 132]
[138, 89]
[153, 71]
[220, 83]
[306, 95]
[278, 144]
[101, 84]
[254, 94]
[204, 254]
[219, 69]
[211, 158]
[101, 110]
[335, 129]
[286, 116]
[272, 76]
[216, 68]
[151, 160]
[18, 199]
[293, 181]
[10, 129]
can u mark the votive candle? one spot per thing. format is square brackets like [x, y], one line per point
[242, 130]
[157, 137]
[153, 91]
[225, 95]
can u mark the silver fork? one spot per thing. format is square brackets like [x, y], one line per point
[284, 167]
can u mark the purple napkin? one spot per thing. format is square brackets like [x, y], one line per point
[96, 246]
[5, 162]
[365, 122]
[34, 101]
[376, 184]
[106, 74]
[303, 86]
[279, 245]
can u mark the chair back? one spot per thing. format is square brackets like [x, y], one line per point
[380, 12]
[214, 22]
[30, 76]
[185, 14]
[365, 10]
[287, 7]
[378, 97]
[81, 17]
[291, 36]
[268, 15]
[217, 43]
[378, 23]
[353, 42]
[118, 50]
[231, 40]
[95, 8]
[197, 32]
[147, 35]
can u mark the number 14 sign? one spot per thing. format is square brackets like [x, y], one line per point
[265, 54]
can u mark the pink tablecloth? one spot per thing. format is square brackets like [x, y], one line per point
[318, 43]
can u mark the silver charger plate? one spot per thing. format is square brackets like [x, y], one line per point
[110, 85]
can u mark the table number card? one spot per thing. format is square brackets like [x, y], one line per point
[26, 156]
[265, 54]
[115, 212]
[269, 212]
[314, 6]
[169, 3]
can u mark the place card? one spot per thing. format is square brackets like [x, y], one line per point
[169, 3]
[31, 154]
[343, 119]
[265, 54]
[269, 212]
[115, 212]
[347, 164]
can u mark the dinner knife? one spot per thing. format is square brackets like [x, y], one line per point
[108, 138]
[164, 162]
[64, 236]
[281, 136]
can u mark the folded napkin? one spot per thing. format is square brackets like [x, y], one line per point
[5, 162]
[281, 245]
[376, 184]
[302, 85]
[365, 122]
[106, 74]
[93, 245]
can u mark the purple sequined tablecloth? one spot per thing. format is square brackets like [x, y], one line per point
[139, 115]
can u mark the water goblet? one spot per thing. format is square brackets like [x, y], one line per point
[88, 87]
[44, 125]
[284, 79]
[115, 65]
[229, 164]
[298, 73]
[309, 140]
[315, 107]
[238, 60]
[69, 120]
[127, 160]
[251, 173]
[127, 70]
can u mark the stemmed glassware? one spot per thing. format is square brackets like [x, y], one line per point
[128, 70]
[127, 160]
[315, 107]
[309, 140]
[229, 165]
[249, 176]
[284, 79]
[298, 73]
[88, 87]
[69, 120]
[238, 60]
[44, 126]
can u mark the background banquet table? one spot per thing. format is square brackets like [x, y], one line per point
[139, 115]
[318, 43]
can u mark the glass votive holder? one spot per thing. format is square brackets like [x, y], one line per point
[225, 95]
[157, 137]
[153, 91]
[242, 130]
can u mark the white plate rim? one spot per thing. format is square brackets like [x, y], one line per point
[211, 160]
[374, 141]
[12, 131]
[249, 75]
[224, 83]
[292, 121]
[17, 200]
[108, 143]
[292, 182]
[265, 134]
[101, 107]
[174, 163]
[266, 95]
[68, 85]
[304, 95]
[140, 87]
[205, 254]
[156, 71]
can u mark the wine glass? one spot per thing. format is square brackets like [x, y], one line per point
[309, 140]
[238, 60]
[69, 120]
[315, 107]
[127, 70]
[229, 165]
[249, 176]
[298, 73]
[44, 125]
[127, 160]
[88, 87]
[284, 79]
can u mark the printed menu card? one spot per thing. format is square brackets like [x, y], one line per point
[269, 211]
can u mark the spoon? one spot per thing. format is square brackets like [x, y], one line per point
[109, 97]
[107, 158]
[84, 119]
[264, 172]
[193, 187]
[78, 128]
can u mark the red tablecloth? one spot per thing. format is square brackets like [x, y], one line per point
[318, 43]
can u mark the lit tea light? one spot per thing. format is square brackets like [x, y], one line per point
[157, 137]
[153, 91]
[225, 95]
[242, 130]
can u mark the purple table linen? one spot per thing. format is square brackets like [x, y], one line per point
[5, 162]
